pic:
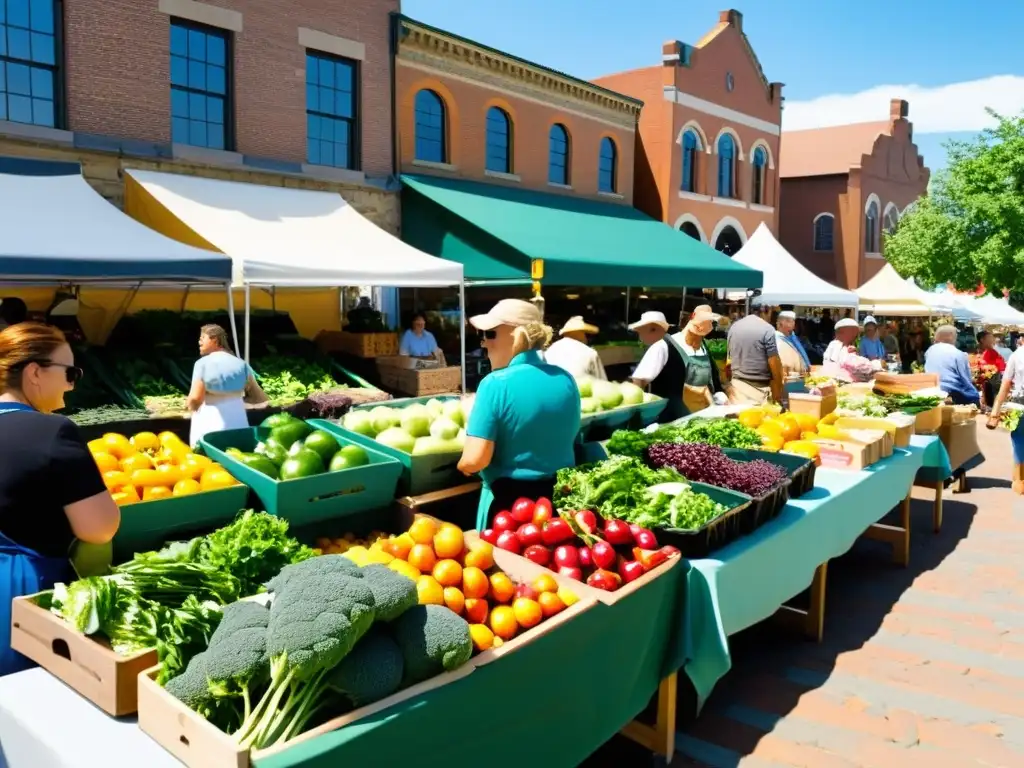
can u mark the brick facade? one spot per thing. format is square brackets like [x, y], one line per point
[840, 173]
[471, 78]
[713, 88]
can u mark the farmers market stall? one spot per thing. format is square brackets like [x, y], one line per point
[888, 294]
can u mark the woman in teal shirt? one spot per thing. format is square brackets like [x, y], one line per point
[526, 414]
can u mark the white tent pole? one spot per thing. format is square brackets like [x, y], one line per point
[248, 306]
[231, 319]
[462, 331]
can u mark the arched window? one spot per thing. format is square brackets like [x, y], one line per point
[871, 228]
[824, 225]
[759, 167]
[726, 166]
[892, 219]
[607, 177]
[431, 128]
[691, 153]
[499, 140]
[558, 155]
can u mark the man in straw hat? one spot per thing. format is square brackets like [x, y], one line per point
[572, 353]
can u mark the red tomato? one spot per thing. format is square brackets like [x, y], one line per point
[503, 521]
[522, 510]
[542, 511]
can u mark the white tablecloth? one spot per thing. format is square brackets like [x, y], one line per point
[45, 724]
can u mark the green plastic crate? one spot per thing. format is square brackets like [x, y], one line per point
[715, 534]
[147, 525]
[422, 474]
[307, 500]
[801, 470]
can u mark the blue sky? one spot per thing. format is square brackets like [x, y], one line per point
[841, 61]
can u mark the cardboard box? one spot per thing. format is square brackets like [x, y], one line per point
[843, 454]
[929, 422]
[817, 406]
[961, 441]
[878, 442]
[88, 665]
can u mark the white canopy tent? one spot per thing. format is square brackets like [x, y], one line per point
[786, 280]
[889, 294]
[995, 311]
[963, 306]
[290, 238]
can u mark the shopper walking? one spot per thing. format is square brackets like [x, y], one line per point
[51, 491]
[952, 367]
[1012, 390]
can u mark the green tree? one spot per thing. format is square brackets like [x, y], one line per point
[970, 229]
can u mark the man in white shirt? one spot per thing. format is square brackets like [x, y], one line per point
[841, 347]
[572, 353]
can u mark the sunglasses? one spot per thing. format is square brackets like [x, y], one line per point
[73, 373]
[489, 335]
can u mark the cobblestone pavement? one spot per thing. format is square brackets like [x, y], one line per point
[920, 667]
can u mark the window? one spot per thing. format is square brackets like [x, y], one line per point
[759, 165]
[691, 154]
[823, 228]
[201, 106]
[607, 165]
[871, 228]
[499, 140]
[431, 127]
[29, 54]
[558, 155]
[892, 219]
[726, 166]
[331, 106]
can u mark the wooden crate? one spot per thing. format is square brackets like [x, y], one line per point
[366, 345]
[904, 383]
[419, 382]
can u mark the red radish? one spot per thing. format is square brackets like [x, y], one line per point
[572, 573]
[603, 554]
[617, 532]
[522, 510]
[503, 521]
[634, 529]
[631, 570]
[556, 531]
[606, 580]
[586, 520]
[508, 541]
[528, 534]
[542, 511]
[525, 590]
[567, 556]
[646, 540]
[537, 553]
[586, 557]
[490, 535]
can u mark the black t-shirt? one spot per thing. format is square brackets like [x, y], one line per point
[45, 465]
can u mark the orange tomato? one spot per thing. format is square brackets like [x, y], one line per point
[448, 541]
[503, 622]
[117, 445]
[147, 478]
[502, 588]
[550, 604]
[482, 637]
[189, 470]
[448, 573]
[474, 582]
[126, 495]
[422, 556]
[170, 474]
[422, 530]
[480, 555]
[186, 487]
[195, 458]
[155, 493]
[215, 479]
[528, 612]
[135, 462]
[429, 591]
[145, 441]
[400, 546]
[545, 583]
[116, 479]
[476, 610]
[454, 599]
[106, 462]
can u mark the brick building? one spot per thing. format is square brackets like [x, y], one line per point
[842, 187]
[709, 136]
[466, 111]
[290, 94]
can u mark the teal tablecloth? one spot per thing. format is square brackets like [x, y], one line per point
[750, 579]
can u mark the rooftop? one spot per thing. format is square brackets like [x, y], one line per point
[827, 151]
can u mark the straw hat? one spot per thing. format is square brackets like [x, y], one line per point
[577, 324]
[650, 318]
[703, 314]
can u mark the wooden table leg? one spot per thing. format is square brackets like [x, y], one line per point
[811, 623]
[659, 738]
[937, 508]
[897, 536]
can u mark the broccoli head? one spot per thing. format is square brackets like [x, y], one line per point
[433, 640]
[190, 686]
[317, 565]
[371, 672]
[393, 593]
[236, 659]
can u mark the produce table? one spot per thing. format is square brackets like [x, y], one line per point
[750, 580]
[557, 700]
[952, 455]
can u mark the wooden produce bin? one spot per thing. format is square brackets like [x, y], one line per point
[904, 383]
[86, 664]
[417, 382]
[365, 345]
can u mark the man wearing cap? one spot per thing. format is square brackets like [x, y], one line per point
[841, 346]
[757, 373]
[791, 350]
[572, 353]
[871, 346]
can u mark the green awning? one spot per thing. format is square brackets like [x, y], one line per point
[495, 232]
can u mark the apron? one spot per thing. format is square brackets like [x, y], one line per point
[502, 493]
[22, 572]
[750, 393]
[219, 412]
[698, 381]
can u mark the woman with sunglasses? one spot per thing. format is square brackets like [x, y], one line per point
[525, 416]
[51, 491]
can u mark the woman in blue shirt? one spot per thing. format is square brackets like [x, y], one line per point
[220, 382]
[871, 347]
[418, 341]
[526, 415]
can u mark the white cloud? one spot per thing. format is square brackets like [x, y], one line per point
[942, 109]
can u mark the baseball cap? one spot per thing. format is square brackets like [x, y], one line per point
[513, 312]
[787, 314]
[870, 320]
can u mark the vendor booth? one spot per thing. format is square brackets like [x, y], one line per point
[889, 294]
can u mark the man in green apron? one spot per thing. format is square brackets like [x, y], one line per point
[702, 385]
